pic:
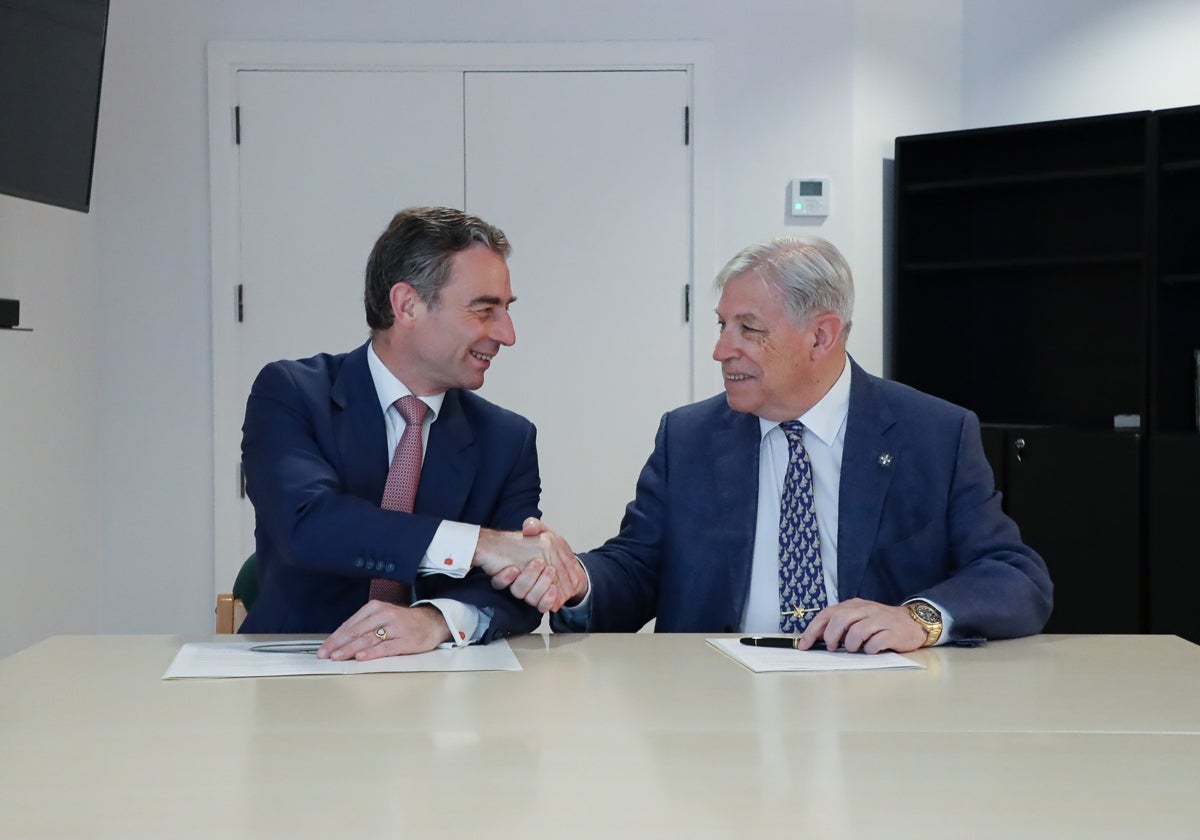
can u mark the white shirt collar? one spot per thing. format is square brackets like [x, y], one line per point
[389, 389]
[826, 418]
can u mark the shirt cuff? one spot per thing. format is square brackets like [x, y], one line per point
[467, 622]
[451, 550]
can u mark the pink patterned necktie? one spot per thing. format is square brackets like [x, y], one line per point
[401, 489]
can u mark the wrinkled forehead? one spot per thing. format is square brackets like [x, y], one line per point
[750, 295]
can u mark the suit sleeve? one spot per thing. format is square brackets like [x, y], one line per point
[521, 493]
[998, 587]
[517, 500]
[300, 501]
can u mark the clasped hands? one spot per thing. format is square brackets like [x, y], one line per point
[536, 565]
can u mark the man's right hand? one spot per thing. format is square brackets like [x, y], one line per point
[536, 565]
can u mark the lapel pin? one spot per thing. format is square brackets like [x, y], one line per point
[885, 459]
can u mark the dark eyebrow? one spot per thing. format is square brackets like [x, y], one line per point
[491, 300]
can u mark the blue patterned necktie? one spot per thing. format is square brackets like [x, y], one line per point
[801, 578]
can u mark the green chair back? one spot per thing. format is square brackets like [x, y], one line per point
[245, 588]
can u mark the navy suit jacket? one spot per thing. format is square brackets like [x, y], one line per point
[314, 445]
[925, 523]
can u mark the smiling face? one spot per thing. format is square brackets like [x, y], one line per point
[452, 344]
[772, 367]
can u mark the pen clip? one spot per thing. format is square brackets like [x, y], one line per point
[287, 647]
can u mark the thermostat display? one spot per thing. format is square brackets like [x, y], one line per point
[808, 197]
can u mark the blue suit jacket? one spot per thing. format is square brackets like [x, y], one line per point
[314, 445]
[926, 523]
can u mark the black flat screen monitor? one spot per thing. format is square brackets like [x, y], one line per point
[51, 58]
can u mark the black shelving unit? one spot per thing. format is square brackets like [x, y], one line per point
[1048, 278]
[1173, 492]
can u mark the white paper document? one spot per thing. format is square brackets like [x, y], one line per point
[239, 659]
[762, 659]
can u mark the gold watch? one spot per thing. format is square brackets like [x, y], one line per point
[927, 615]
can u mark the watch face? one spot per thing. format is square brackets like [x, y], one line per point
[927, 613]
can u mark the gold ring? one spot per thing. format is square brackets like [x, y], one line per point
[381, 633]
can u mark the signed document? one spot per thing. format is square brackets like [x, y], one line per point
[763, 659]
[240, 659]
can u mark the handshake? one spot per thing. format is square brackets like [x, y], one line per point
[535, 565]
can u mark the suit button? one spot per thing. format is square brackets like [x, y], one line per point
[359, 562]
[370, 565]
[391, 567]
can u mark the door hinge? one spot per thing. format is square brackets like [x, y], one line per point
[687, 125]
[240, 308]
[241, 480]
[237, 125]
[687, 303]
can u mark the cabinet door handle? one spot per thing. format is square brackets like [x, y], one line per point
[1019, 445]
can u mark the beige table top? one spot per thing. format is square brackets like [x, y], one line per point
[608, 736]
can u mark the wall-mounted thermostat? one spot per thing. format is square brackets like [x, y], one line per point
[808, 197]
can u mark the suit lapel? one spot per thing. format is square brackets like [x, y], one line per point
[868, 459]
[358, 427]
[448, 471]
[736, 445]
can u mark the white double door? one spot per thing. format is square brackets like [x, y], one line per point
[588, 174]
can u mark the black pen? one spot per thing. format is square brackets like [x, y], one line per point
[777, 642]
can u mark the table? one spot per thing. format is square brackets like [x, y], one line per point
[608, 736]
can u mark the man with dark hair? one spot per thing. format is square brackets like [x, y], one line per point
[381, 556]
[811, 498]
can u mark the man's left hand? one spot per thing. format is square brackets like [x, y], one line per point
[405, 630]
[866, 626]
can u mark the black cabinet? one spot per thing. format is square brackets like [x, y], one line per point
[1021, 270]
[1048, 277]
[1175, 392]
[1074, 494]
[1174, 505]
[1173, 477]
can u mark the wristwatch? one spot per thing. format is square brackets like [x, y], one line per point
[927, 615]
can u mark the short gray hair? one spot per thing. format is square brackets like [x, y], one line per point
[812, 274]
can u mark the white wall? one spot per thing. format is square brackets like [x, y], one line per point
[120, 297]
[1029, 60]
[50, 414]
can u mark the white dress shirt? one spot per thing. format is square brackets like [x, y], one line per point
[824, 438]
[453, 544]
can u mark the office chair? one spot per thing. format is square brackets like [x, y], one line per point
[232, 607]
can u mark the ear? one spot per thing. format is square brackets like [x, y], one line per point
[827, 334]
[405, 303]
